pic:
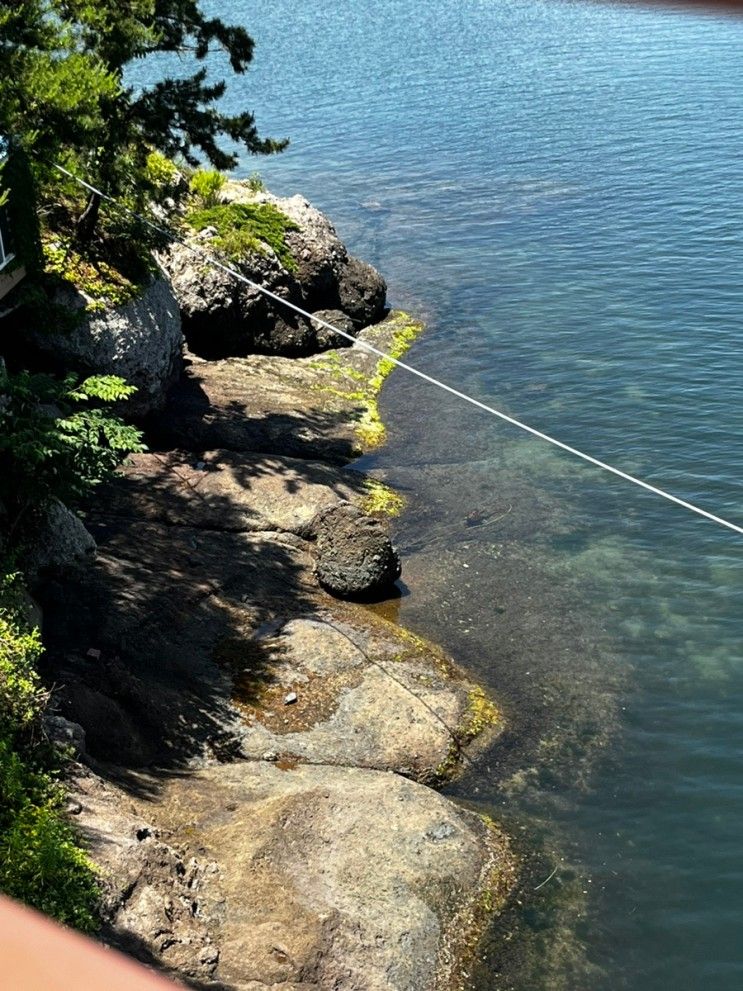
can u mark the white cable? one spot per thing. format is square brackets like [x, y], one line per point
[409, 368]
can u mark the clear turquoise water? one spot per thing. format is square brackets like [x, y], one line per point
[558, 187]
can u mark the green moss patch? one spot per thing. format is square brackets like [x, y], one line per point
[381, 500]
[103, 284]
[245, 228]
[343, 381]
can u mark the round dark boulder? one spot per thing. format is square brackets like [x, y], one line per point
[355, 556]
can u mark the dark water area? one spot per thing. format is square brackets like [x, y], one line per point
[557, 187]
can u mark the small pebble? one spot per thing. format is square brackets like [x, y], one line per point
[290, 698]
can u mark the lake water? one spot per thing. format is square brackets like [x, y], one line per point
[558, 188]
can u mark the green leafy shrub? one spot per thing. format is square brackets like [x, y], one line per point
[243, 228]
[40, 860]
[56, 440]
[205, 186]
[162, 174]
[21, 695]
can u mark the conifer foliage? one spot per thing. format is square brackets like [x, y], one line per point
[65, 91]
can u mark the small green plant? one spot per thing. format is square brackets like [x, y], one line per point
[205, 187]
[56, 440]
[161, 173]
[254, 182]
[41, 862]
[243, 228]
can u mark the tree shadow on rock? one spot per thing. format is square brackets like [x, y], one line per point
[133, 646]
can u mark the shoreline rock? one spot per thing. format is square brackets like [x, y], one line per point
[225, 318]
[259, 752]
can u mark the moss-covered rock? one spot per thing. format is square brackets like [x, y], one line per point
[284, 245]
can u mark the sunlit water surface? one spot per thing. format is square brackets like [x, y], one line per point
[558, 188]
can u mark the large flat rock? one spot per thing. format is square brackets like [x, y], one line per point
[225, 490]
[316, 408]
[333, 877]
[182, 644]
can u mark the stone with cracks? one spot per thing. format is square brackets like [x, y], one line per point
[141, 341]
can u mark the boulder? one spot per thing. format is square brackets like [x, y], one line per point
[337, 318]
[224, 317]
[361, 292]
[354, 554]
[317, 877]
[141, 341]
[58, 545]
[65, 733]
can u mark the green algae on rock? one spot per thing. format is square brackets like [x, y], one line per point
[400, 331]
[380, 499]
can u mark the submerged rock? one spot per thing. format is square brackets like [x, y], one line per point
[355, 556]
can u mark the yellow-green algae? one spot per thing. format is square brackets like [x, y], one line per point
[370, 430]
[480, 715]
[381, 500]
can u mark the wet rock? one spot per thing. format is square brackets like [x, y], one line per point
[141, 341]
[57, 544]
[368, 695]
[355, 556]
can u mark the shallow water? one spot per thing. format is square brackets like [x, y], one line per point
[557, 187]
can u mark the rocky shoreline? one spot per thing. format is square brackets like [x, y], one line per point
[259, 752]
